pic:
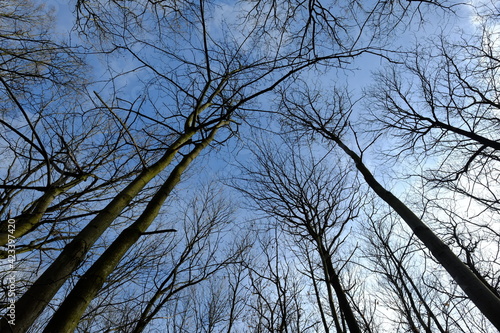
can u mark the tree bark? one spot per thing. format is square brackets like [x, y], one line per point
[486, 301]
[30, 218]
[334, 281]
[71, 310]
[34, 300]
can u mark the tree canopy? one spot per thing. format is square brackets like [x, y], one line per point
[249, 166]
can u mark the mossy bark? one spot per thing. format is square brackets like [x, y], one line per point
[36, 298]
[71, 310]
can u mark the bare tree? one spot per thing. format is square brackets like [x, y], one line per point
[212, 81]
[38, 74]
[305, 111]
[441, 107]
[398, 262]
[89, 174]
[178, 267]
[202, 257]
[445, 113]
[315, 204]
[276, 298]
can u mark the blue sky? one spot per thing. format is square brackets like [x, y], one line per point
[221, 161]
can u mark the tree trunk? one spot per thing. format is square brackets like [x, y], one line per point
[30, 218]
[334, 281]
[71, 310]
[34, 300]
[486, 301]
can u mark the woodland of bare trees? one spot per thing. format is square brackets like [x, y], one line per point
[249, 166]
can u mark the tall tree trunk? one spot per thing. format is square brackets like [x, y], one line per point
[486, 301]
[71, 310]
[404, 274]
[334, 281]
[34, 300]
